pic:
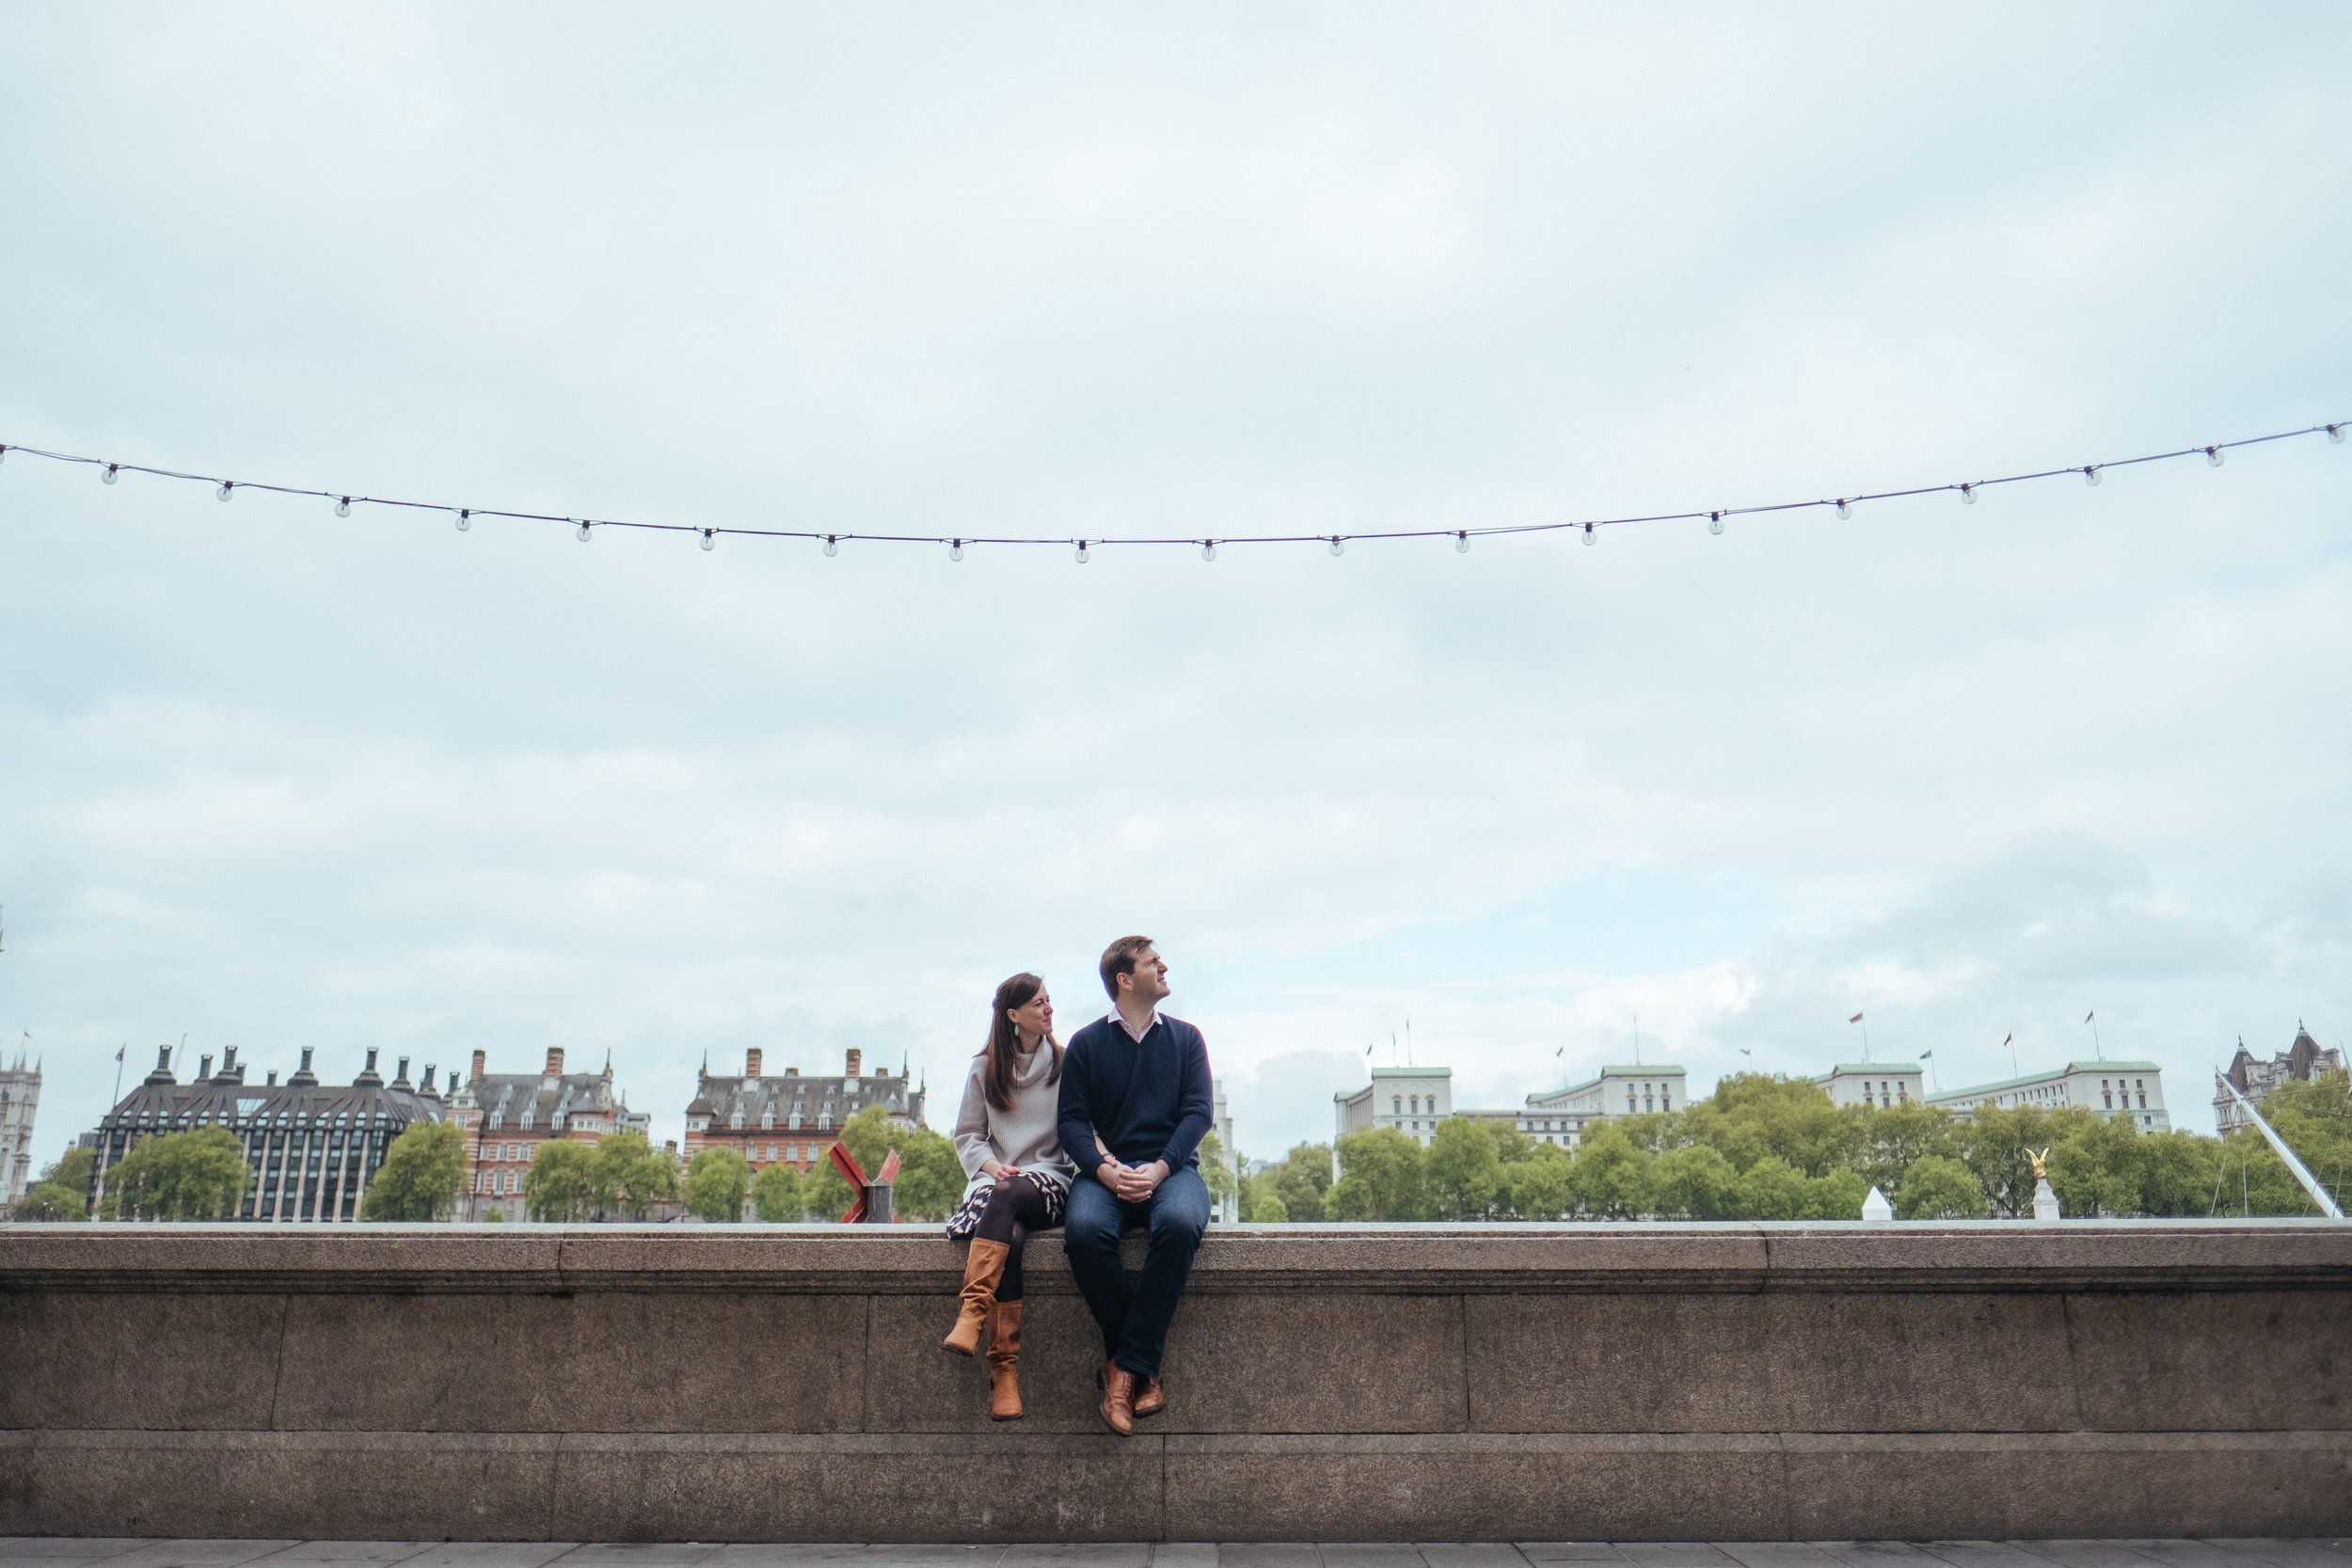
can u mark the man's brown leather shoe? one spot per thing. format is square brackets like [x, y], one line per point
[1119, 1398]
[1151, 1398]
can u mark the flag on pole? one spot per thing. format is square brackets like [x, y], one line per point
[1925, 1055]
[1368, 1045]
[120, 1049]
[1856, 1018]
[2006, 1039]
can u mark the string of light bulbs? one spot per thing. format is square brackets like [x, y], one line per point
[584, 528]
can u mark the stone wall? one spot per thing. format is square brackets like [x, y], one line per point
[1746, 1382]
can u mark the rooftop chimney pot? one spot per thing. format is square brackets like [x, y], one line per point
[854, 1057]
[481, 1058]
[751, 1062]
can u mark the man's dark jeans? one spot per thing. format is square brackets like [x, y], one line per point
[1135, 1319]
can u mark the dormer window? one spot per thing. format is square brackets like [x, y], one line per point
[796, 1119]
[736, 1121]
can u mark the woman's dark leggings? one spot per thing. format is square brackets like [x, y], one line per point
[1015, 1208]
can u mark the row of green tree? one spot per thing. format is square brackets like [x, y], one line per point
[1771, 1147]
[202, 1175]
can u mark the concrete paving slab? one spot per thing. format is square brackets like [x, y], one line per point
[355, 1553]
[490, 1554]
[200, 1554]
[1777, 1554]
[8, 1559]
[88, 1548]
[1983, 1554]
[1267, 1554]
[1569, 1551]
[1369, 1554]
[1185, 1554]
[793, 1554]
[1136, 1553]
[2176, 1553]
[930, 1555]
[1876, 1554]
[2289, 1554]
[1673, 1554]
[1471, 1554]
[2084, 1554]
[647, 1554]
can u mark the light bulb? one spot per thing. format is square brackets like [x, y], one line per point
[111, 471]
[1714, 522]
[1082, 552]
[1208, 549]
[1461, 542]
[1336, 547]
[1845, 509]
[1968, 494]
[1588, 533]
[582, 534]
[226, 485]
[833, 545]
[342, 507]
[2335, 433]
[2090, 475]
[464, 519]
[2213, 458]
[711, 539]
[955, 550]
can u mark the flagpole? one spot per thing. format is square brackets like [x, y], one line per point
[119, 1056]
[2091, 1017]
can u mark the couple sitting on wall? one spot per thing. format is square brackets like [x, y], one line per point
[1100, 1138]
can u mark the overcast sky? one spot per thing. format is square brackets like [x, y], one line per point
[273, 778]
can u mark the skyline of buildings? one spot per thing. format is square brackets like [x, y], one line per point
[20, 1099]
[2299, 1061]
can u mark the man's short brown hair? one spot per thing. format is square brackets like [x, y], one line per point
[1119, 958]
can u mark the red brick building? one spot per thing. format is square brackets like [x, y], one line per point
[791, 1120]
[508, 1116]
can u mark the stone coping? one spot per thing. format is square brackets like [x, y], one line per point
[1747, 1256]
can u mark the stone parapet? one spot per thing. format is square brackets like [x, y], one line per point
[1741, 1381]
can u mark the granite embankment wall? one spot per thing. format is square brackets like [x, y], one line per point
[1366, 1382]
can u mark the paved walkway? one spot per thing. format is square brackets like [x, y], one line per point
[71, 1552]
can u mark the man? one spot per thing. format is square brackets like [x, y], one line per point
[1137, 1081]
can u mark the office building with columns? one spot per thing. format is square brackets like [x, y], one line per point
[2114, 1089]
[507, 1115]
[791, 1118]
[19, 1098]
[1413, 1099]
[1873, 1084]
[313, 1146]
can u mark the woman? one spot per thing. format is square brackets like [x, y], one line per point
[1019, 1180]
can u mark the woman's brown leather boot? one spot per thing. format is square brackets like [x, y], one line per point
[1003, 1362]
[982, 1268]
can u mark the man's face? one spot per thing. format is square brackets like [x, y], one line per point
[1149, 982]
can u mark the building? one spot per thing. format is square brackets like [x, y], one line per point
[311, 1147]
[507, 1115]
[1412, 1099]
[791, 1119]
[1872, 1084]
[2111, 1088]
[19, 1097]
[1561, 1115]
[2301, 1062]
[1222, 1123]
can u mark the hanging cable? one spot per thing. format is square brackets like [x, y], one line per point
[1843, 506]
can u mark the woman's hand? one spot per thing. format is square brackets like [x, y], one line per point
[995, 1169]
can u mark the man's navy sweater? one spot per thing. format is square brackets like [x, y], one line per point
[1148, 1100]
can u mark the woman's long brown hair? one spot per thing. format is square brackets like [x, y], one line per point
[1004, 1039]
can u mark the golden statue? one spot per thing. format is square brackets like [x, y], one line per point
[2039, 1173]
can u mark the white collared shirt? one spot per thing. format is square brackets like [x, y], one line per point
[1132, 1033]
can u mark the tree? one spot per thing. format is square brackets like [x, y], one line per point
[1838, 1196]
[1696, 1183]
[1267, 1208]
[931, 1179]
[631, 1175]
[2178, 1174]
[1892, 1138]
[1938, 1187]
[826, 1192]
[1771, 1189]
[2096, 1171]
[1542, 1186]
[1221, 1175]
[1996, 1143]
[1465, 1170]
[63, 1191]
[1382, 1172]
[421, 1175]
[1301, 1181]
[197, 1175]
[715, 1185]
[776, 1196]
[565, 1184]
[1611, 1175]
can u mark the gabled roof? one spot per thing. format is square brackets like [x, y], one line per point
[836, 1099]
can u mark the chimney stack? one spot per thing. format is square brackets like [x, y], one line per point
[303, 1074]
[791, 1072]
[751, 1062]
[555, 1061]
[205, 1069]
[400, 1079]
[855, 1057]
[480, 1059]
[273, 1079]
[228, 1062]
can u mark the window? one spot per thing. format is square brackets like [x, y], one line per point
[1397, 1105]
[771, 1151]
[1664, 1102]
[2143, 1101]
